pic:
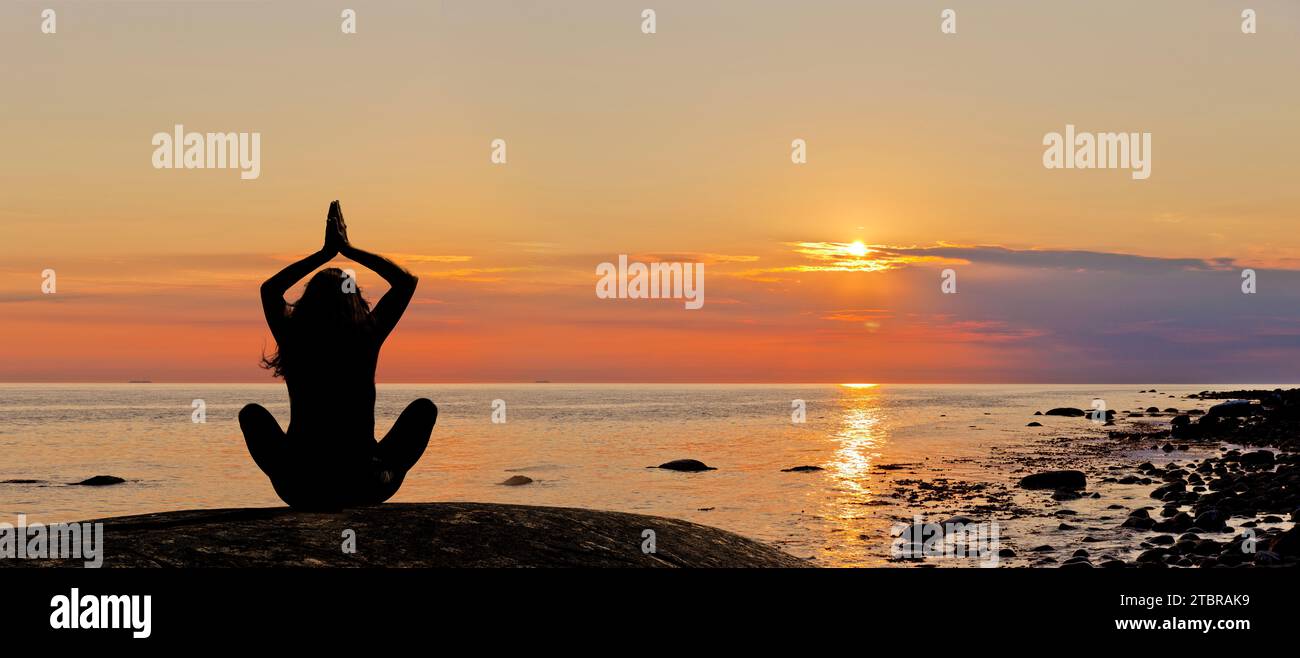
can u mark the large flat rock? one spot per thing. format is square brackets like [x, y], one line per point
[419, 535]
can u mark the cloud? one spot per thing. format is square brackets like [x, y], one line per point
[858, 315]
[472, 274]
[693, 257]
[423, 258]
[1096, 261]
[815, 257]
[24, 297]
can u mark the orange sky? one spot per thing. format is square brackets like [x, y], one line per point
[673, 145]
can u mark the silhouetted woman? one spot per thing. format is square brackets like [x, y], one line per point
[327, 347]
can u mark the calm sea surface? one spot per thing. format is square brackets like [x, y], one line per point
[584, 445]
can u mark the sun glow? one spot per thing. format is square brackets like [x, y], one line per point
[855, 256]
[858, 385]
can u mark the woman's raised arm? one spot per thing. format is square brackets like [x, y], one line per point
[401, 283]
[273, 289]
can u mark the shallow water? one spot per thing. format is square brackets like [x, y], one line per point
[588, 446]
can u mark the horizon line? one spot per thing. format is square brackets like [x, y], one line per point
[697, 383]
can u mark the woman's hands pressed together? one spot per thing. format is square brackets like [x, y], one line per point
[336, 231]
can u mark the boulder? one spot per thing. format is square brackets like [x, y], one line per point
[1212, 520]
[1070, 480]
[1178, 523]
[1138, 523]
[687, 465]
[1257, 458]
[1065, 411]
[1160, 493]
[1287, 544]
[1232, 409]
[100, 481]
[419, 535]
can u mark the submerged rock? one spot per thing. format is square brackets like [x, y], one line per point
[100, 481]
[688, 465]
[517, 481]
[799, 469]
[1065, 411]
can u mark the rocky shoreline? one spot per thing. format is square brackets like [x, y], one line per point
[1224, 510]
[1151, 487]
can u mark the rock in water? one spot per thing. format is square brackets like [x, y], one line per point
[101, 481]
[1055, 480]
[517, 481]
[434, 535]
[1257, 458]
[1233, 409]
[798, 469]
[688, 465]
[1287, 543]
[1139, 522]
[1065, 411]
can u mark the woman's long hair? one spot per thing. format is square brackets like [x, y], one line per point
[327, 322]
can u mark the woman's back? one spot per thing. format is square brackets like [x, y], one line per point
[332, 394]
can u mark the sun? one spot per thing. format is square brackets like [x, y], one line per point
[857, 249]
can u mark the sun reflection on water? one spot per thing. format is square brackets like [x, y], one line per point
[857, 441]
